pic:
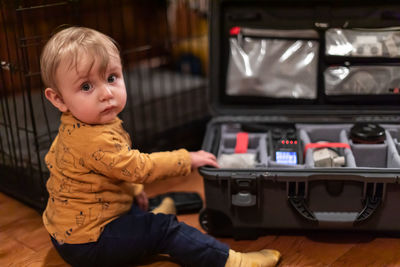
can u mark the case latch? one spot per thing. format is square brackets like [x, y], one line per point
[244, 191]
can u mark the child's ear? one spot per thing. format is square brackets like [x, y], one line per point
[56, 99]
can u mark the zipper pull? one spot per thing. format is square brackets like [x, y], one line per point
[236, 31]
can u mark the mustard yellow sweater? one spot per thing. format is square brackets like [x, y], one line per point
[94, 176]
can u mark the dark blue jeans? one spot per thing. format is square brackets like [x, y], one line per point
[139, 235]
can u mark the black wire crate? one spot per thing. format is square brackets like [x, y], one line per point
[165, 71]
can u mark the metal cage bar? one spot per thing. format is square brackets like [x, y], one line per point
[166, 98]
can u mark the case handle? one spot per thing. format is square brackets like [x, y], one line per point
[371, 205]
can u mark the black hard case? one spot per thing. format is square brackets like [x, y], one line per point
[244, 203]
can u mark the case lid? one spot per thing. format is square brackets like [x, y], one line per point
[305, 58]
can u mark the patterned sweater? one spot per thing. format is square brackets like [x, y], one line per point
[94, 176]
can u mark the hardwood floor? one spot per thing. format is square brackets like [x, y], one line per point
[25, 242]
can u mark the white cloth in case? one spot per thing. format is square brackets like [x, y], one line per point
[242, 160]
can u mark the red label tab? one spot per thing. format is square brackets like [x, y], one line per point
[242, 142]
[325, 145]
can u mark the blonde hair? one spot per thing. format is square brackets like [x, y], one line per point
[68, 44]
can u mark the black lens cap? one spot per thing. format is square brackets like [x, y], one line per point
[369, 133]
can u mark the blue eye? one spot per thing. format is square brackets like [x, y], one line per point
[86, 87]
[111, 78]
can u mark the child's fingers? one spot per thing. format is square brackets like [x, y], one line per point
[202, 158]
[213, 157]
[212, 162]
[209, 155]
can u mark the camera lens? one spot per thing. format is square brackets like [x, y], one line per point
[367, 133]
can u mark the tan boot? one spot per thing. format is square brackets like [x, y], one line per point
[262, 258]
[167, 206]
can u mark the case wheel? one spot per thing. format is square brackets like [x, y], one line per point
[204, 220]
[215, 222]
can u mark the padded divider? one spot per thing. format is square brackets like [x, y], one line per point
[313, 133]
[384, 155]
[370, 155]
[307, 158]
[348, 154]
[396, 139]
[257, 143]
[393, 157]
[393, 131]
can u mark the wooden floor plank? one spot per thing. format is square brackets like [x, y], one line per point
[376, 252]
[28, 231]
[13, 252]
[45, 257]
[308, 251]
[25, 242]
[11, 211]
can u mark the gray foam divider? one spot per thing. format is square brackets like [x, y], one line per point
[348, 154]
[385, 155]
[313, 133]
[370, 155]
[257, 143]
[393, 145]
[393, 157]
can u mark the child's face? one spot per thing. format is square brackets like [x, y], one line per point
[91, 96]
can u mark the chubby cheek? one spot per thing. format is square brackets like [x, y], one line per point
[86, 114]
[84, 109]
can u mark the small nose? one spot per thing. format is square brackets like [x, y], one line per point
[105, 93]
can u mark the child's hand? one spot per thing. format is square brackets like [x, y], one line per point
[202, 158]
[142, 201]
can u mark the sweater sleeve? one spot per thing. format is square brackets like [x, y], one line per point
[114, 159]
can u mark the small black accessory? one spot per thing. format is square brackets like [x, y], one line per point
[367, 133]
[185, 202]
[285, 146]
